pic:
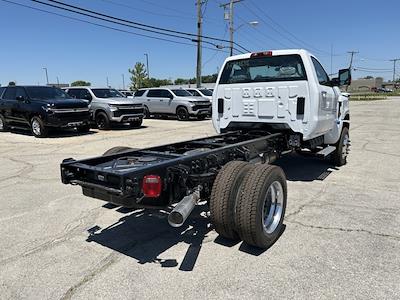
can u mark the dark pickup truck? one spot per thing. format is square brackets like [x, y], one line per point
[40, 108]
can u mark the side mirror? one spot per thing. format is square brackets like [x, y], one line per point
[335, 81]
[344, 77]
[20, 98]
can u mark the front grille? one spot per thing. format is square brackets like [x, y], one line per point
[122, 112]
[73, 117]
[197, 107]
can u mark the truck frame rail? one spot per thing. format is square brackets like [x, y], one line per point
[181, 167]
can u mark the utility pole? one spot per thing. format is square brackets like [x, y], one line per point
[147, 65]
[199, 34]
[231, 28]
[58, 82]
[123, 81]
[394, 67]
[351, 58]
[107, 82]
[47, 76]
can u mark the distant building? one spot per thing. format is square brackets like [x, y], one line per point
[365, 85]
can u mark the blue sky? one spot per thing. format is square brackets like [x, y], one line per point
[73, 50]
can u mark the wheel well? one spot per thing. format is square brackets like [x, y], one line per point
[181, 106]
[100, 111]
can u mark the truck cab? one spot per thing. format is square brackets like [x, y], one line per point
[281, 90]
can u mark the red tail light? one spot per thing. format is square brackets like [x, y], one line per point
[151, 186]
[259, 54]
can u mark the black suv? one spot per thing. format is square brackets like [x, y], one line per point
[40, 108]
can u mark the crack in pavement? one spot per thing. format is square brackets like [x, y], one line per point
[397, 238]
[68, 233]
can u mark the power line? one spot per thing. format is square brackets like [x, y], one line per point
[108, 27]
[293, 39]
[136, 25]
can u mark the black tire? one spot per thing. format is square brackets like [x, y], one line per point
[339, 156]
[223, 197]
[83, 129]
[146, 113]
[38, 128]
[102, 121]
[253, 204]
[3, 124]
[201, 117]
[136, 124]
[182, 113]
[116, 150]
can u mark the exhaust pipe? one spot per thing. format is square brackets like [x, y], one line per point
[183, 209]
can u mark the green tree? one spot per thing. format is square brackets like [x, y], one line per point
[81, 83]
[139, 76]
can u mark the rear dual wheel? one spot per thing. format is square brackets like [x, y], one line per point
[248, 202]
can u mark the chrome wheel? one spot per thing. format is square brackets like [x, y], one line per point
[273, 207]
[36, 128]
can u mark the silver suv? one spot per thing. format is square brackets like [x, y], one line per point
[179, 102]
[109, 106]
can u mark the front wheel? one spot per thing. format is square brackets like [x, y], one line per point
[38, 128]
[339, 157]
[102, 121]
[182, 114]
[3, 124]
[261, 205]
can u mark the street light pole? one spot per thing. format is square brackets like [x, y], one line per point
[147, 65]
[199, 33]
[231, 28]
[47, 76]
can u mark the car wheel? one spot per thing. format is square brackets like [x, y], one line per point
[201, 117]
[182, 114]
[38, 128]
[339, 157]
[118, 149]
[260, 206]
[146, 113]
[136, 124]
[3, 124]
[102, 121]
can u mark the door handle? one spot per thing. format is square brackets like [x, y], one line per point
[220, 105]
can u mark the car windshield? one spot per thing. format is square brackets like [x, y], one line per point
[264, 69]
[206, 92]
[46, 93]
[107, 93]
[182, 93]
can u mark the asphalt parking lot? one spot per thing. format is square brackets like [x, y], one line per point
[342, 237]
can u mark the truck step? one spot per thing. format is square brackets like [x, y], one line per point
[326, 151]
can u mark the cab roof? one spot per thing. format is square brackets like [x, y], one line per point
[274, 53]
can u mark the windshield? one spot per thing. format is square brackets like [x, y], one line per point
[206, 92]
[264, 69]
[107, 93]
[46, 93]
[182, 93]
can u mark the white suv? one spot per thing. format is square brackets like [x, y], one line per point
[179, 102]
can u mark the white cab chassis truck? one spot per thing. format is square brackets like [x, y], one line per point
[265, 105]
